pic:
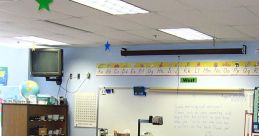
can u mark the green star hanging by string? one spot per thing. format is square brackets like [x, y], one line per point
[44, 4]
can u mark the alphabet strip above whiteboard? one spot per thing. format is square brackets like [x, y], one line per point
[212, 68]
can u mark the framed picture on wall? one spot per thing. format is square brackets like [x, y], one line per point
[3, 76]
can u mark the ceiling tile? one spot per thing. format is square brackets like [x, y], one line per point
[83, 24]
[234, 16]
[49, 27]
[152, 20]
[21, 29]
[211, 4]
[103, 33]
[254, 10]
[7, 34]
[11, 18]
[188, 18]
[246, 2]
[114, 22]
[159, 5]
[66, 39]
[222, 32]
[154, 35]
[91, 38]
[121, 35]
[50, 32]
[251, 30]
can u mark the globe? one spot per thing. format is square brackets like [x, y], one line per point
[29, 88]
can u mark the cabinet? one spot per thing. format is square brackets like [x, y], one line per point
[28, 119]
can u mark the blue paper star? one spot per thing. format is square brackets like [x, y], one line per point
[107, 46]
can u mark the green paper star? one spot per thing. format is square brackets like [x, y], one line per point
[44, 4]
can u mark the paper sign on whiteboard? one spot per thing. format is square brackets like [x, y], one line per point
[85, 110]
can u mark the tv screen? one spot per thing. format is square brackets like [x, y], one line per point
[46, 62]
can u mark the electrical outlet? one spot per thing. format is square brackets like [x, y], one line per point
[88, 75]
[78, 76]
[70, 76]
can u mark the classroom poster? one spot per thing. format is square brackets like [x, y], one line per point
[9, 94]
[202, 68]
[3, 76]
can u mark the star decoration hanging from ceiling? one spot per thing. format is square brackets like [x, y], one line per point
[44, 4]
[107, 46]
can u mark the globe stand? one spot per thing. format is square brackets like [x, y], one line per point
[27, 100]
[57, 79]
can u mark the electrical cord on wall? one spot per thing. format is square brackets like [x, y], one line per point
[58, 90]
[79, 86]
[66, 87]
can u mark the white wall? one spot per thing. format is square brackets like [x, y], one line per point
[17, 62]
[83, 60]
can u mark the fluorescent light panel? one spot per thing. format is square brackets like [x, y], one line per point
[40, 41]
[115, 7]
[15, 44]
[187, 34]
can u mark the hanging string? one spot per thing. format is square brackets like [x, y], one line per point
[214, 41]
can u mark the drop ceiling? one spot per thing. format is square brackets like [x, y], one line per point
[81, 26]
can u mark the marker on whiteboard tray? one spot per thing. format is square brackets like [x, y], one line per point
[107, 91]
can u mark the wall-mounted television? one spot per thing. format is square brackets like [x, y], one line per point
[46, 62]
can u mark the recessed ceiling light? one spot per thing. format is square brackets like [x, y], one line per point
[187, 34]
[115, 7]
[40, 41]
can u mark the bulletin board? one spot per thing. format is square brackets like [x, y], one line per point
[183, 114]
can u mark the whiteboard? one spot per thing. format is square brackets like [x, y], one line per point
[183, 114]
